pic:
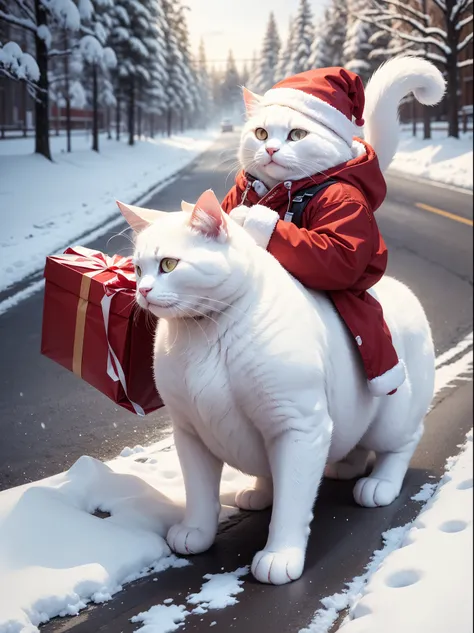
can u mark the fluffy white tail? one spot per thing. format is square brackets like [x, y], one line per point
[387, 87]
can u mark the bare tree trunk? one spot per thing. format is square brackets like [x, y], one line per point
[152, 126]
[413, 114]
[42, 97]
[139, 122]
[169, 122]
[452, 86]
[426, 111]
[117, 119]
[68, 96]
[23, 108]
[131, 113]
[109, 124]
[95, 110]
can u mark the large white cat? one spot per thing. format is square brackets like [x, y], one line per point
[260, 373]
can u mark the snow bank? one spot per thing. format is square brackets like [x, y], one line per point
[427, 584]
[56, 556]
[45, 205]
[446, 160]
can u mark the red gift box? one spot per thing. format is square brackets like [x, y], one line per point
[92, 326]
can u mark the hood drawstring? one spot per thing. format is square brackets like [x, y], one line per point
[245, 193]
[288, 214]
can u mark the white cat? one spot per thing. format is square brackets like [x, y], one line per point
[260, 373]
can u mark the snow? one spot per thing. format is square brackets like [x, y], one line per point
[218, 592]
[452, 365]
[51, 204]
[55, 556]
[442, 159]
[427, 584]
[21, 65]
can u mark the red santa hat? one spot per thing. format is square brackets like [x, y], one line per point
[333, 97]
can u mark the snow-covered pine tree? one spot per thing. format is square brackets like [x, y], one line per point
[231, 90]
[176, 85]
[320, 56]
[189, 97]
[286, 53]
[335, 32]
[266, 73]
[39, 19]
[358, 43]
[302, 37]
[204, 87]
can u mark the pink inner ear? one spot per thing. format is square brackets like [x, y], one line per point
[207, 216]
[250, 99]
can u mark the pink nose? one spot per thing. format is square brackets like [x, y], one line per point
[144, 290]
[271, 150]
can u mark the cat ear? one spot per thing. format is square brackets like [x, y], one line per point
[138, 218]
[187, 206]
[251, 100]
[208, 218]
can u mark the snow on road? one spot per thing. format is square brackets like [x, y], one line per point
[372, 594]
[441, 159]
[427, 584]
[218, 592]
[47, 205]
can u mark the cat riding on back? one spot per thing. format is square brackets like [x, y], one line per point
[300, 134]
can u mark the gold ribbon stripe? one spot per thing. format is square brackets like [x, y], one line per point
[81, 323]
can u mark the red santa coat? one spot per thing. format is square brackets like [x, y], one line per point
[338, 249]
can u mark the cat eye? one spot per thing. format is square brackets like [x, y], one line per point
[167, 264]
[261, 134]
[138, 271]
[297, 135]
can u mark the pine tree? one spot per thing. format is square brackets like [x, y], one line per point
[359, 44]
[286, 53]
[335, 32]
[231, 91]
[266, 73]
[204, 87]
[303, 39]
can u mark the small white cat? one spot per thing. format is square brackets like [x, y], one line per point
[260, 373]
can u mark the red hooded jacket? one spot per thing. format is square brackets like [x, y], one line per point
[338, 248]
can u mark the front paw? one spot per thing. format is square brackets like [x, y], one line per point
[278, 568]
[253, 499]
[187, 540]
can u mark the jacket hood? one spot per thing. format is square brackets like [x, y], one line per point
[362, 172]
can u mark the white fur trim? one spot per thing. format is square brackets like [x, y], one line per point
[314, 108]
[260, 224]
[390, 380]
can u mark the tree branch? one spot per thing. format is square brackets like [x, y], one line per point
[462, 45]
[22, 23]
[466, 62]
[459, 9]
[462, 23]
[26, 10]
[441, 5]
[379, 22]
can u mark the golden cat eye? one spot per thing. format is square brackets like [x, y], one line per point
[167, 264]
[261, 134]
[138, 270]
[297, 135]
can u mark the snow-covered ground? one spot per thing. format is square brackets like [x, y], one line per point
[427, 583]
[44, 205]
[56, 556]
[442, 159]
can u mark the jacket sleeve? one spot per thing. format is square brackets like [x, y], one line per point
[335, 249]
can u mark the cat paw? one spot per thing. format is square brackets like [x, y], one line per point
[253, 499]
[186, 540]
[278, 568]
[344, 470]
[371, 492]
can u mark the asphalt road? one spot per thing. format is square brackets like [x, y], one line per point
[49, 418]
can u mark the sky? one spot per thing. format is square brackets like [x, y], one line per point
[238, 24]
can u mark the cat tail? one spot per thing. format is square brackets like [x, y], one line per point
[390, 83]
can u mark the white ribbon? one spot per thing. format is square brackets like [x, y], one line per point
[112, 356]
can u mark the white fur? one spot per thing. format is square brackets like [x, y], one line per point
[270, 382]
[388, 86]
[322, 148]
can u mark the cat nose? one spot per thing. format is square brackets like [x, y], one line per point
[144, 290]
[272, 150]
